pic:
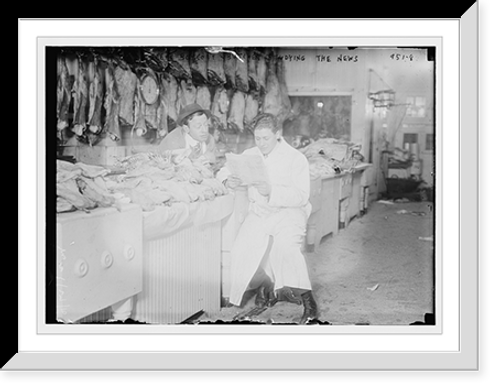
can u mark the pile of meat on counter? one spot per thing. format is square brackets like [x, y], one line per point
[329, 156]
[148, 179]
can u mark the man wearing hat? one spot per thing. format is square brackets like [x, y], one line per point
[192, 133]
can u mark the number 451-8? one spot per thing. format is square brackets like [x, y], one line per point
[397, 56]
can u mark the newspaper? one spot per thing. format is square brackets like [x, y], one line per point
[250, 169]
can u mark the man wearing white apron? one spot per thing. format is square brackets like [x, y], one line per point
[267, 251]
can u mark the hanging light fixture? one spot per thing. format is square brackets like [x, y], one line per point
[382, 98]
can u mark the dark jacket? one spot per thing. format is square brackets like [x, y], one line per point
[176, 139]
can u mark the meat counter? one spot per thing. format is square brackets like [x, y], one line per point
[182, 261]
[159, 266]
[98, 261]
[336, 200]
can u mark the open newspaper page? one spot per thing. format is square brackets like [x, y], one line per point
[250, 169]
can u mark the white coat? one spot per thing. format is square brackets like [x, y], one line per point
[275, 226]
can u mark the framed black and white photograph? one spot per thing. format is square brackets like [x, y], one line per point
[259, 200]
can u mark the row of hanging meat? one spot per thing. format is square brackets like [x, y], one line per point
[97, 97]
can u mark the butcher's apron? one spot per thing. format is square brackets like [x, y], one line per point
[285, 265]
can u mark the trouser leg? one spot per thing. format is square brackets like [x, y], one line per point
[247, 253]
[262, 274]
[287, 261]
[263, 282]
[258, 279]
[289, 264]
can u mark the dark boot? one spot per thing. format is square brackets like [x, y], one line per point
[264, 292]
[310, 307]
[287, 294]
[272, 298]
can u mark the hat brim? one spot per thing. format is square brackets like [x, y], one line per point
[205, 111]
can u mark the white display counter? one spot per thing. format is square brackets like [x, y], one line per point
[159, 266]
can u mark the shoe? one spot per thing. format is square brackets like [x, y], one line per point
[264, 293]
[272, 298]
[310, 307]
[260, 297]
[287, 294]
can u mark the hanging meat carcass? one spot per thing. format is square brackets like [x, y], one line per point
[203, 97]
[63, 94]
[198, 62]
[159, 56]
[178, 63]
[151, 110]
[237, 111]
[261, 71]
[220, 106]
[187, 94]
[111, 104]
[172, 86]
[126, 82]
[215, 69]
[276, 100]
[286, 105]
[251, 108]
[253, 82]
[230, 70]
[151, 115]
[296, 106]
[272, 99]
[140, 128]
[80, 99]
[167, 111]
[241, 73]
[96, 97]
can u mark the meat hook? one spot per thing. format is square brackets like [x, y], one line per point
[219, 49]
